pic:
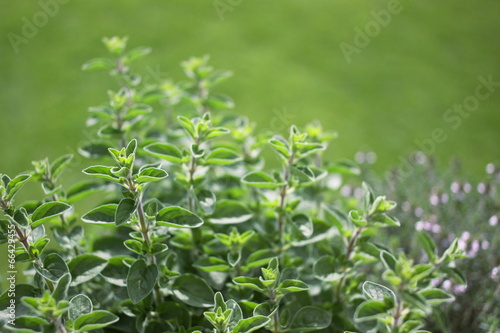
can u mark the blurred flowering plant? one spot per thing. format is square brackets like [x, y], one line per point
[446, 205]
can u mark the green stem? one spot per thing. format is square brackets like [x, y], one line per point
[147, 240]
[60, 326]
[23, 239]
[350, 249]
[195, 232]
[282, 205]
[143, 222]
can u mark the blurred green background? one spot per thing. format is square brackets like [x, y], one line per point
[288, 65]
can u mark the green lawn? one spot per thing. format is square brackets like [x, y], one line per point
[285, 55]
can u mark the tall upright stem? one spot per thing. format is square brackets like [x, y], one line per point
[195, 232]
[143, 223]
[282, 204]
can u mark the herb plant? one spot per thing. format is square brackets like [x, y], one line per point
[194, 233]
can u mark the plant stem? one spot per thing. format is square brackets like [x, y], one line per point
[145, 234]
[203, 95]
[143, 222]
[276, 316]
[350, 248]
[8, 209]
[195, 232]
[60, 326]
[282, 205]
[276, 322]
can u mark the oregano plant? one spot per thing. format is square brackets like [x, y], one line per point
[192, 232]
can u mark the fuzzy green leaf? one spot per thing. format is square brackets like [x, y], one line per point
[251, 324]
[178, 217]
[141, 280]
[101, 215]
[95, 320]
[311, 318]
[78, 306]
[85, 267]
[261, 180]
[124, 211]
[193, 290]
[48, 211]
[165, 151]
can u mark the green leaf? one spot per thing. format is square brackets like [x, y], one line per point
[207, 201]
[369, 310]
[455, 274]
[236, 314]
[326, 269]
[306, 175]
[378, 292]
[137, 110]
[291, 286]
[47, 211]
[260, 258]
[306, 148]
[267, 309]
[104, 112]
[381, 205]
[311, 318]
[101, 215]
[261, 180]
[124, 211]
[178, 217]
[116, 271]
[95, 320]
[98, 64]
[212, 264]
[436, 296]
[165, 151]
[94, 150]
[85, 267]
[230, 212]
[358, 220]
[220, 102]
[134, 246]
[193, 290]
[59, 164]
[20, 218]
[344, 167]
[249, 282]
[173, 311]
[136, 54]
[304, 224]
[27, 324]
[410, 326]
[15, 185]
[415, 300]
[188, 126]
[83, 189]
[222, 156]
[281, 146]
[101, 171]
[151, 175]
[215, 132]
[428, 244]
[61, 291]
[251, 324]
[388, 260]
[384, 220]
[141, 280]
[78, 306]
[54, 267]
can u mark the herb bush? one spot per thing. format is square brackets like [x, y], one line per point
[194, 234]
